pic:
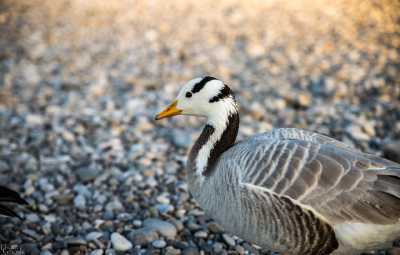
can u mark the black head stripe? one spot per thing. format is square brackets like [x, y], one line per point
[200, 84]
[224, 92]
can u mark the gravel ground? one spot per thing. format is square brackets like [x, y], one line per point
[80, 82]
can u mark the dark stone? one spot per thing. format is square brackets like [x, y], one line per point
[391, 151]
[30, 249]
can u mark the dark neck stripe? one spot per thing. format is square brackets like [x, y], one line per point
[226, 140]
[225, 92]
[198, 86]
[224, 143]
[205, 135]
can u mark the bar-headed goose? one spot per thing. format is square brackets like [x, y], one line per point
[9, 196]
[290, 190]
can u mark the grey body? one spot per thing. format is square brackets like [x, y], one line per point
[294, 191]
[290, 190]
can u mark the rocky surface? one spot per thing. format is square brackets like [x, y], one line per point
[80, 82]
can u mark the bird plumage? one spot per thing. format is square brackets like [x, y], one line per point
[289, 190]
[9, 196]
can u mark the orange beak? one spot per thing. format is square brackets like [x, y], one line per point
[170, 111]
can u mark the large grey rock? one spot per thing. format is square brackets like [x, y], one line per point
[120, 243]
[164, 228]
[143, 236]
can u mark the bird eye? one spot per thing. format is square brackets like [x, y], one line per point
[188, 94]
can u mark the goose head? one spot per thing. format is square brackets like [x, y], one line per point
[205, 97]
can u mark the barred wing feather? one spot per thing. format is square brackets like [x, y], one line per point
[336, 181]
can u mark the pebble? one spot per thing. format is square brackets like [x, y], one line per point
[30, 248]
[391, 150]
[93, 236]
[356, 132]
[97, 252]
[190, 251]
[76, 241]
[88, 173]
[172, 251]
[228, 240]
[120, 243]
[214, 227]
[3, 166]
[164, 228]
[143, 236]
[32, 217]
[80, 202]
[218, 247]
[137, 223]
[201, 234]
[159, 244]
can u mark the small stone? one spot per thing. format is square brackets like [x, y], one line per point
[110, 252]
[164, 228]
[80, 202]
[143, 236]
[137, 223]
[34, 120]
[88, 173]
[369, 128]
[214, 227]
[240, 250]
[304, 100]
[97, 252]
[193, 226]
[30, 248]
[391, 151]
[178, 224]
[82, 190]
[3, 166]
[76, 241]
[218, 247]
[257, 110]
[120, 243]
[31, 233]
[92, 236]
[32, 217]
[159, 244]
[190, 251]
[163, 208]
[108, 215]
[172, 251]
[228, 240]
[201, 234]
[357, 133]
[114, 205]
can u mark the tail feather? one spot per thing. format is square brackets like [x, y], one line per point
[10, 196]
[4, 210]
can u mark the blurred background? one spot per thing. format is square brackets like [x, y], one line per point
[81, 80]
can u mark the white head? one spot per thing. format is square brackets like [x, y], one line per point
[207, 97]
